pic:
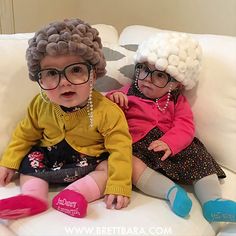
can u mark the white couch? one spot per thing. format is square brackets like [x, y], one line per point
[214, 105]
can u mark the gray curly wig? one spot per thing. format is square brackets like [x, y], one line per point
[73, 37]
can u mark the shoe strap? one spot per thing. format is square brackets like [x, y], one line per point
[170, 190]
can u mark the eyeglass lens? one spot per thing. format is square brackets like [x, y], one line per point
[75, 73]
[158, 78]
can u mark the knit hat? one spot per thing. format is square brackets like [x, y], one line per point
[72, 37]
[177, 54]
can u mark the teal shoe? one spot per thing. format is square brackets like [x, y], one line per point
[219, 210]
[182, 203]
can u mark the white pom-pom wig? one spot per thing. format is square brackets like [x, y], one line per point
[177, 54]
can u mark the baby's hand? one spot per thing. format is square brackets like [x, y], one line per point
[118, 201]
[119, 98]
[6, 175]
[158, 146]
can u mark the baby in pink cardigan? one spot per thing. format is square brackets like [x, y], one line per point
[165, 151]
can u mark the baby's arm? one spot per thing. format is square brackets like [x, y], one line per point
[119, 98]
[6, 175]
[27, 134]
[158, 146]
[182, 132]
[119, 201]
[117, 139]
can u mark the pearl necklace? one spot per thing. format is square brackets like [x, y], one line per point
[156, 100]
[167, 101]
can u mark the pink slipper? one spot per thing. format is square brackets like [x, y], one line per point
[21, 206]
[71, 203]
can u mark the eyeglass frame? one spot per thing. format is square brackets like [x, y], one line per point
[62, 72]
[150, 72]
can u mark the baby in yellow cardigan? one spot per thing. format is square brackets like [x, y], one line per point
[71, 133]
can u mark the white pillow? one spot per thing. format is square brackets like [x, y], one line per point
[16, 89]
[119, 68]
[214, 99]
[108, 33]
[135, 34]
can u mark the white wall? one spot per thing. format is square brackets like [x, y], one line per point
[6, 17]
[194, 16]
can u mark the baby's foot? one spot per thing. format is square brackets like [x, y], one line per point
[21, 206]
[180, 203]
[219, 210]
[71, 203]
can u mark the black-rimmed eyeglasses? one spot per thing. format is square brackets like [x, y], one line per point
[76, 74]
[159, 78]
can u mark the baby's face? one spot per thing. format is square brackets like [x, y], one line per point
[152, 91]
[67, 94]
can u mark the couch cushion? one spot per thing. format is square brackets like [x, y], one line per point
[5, 231]
[144, 216]
[213, 100]
[228, 230]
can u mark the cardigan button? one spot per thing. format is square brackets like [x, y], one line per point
[67, 118]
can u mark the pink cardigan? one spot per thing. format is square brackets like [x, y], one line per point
[176, 122]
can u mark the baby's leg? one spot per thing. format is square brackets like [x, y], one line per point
[32, 200]
[73, 199]
[214, 207]
[157, 185]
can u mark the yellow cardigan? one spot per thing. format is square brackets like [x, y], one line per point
[46, 124]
